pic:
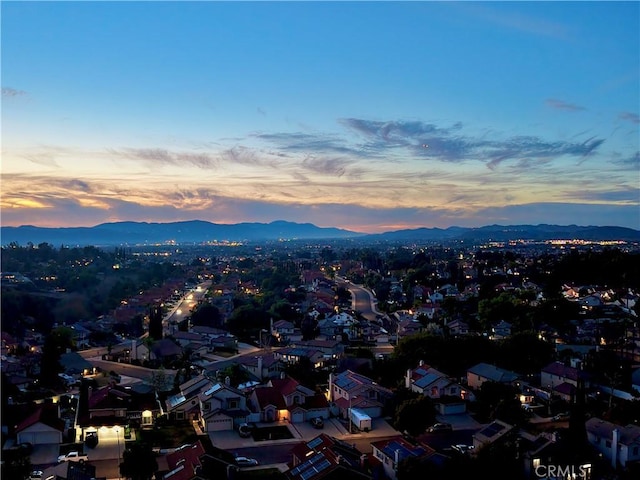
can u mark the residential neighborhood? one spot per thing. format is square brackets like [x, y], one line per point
[440, 366]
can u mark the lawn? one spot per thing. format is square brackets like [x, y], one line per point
[169, 436]
[271, 433]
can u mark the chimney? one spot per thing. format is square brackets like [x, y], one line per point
[259, 368]
[396, 458]
[227, 381]
[614, 448]
[331, 387]
[407, 379]
[421, 363]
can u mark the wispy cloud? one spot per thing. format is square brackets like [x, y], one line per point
[516, 21]
[629, 117]
[632, 162]
[12, 92]
[450, 144]
[562, 105]
[159, 156]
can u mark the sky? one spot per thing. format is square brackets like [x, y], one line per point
[368, 116]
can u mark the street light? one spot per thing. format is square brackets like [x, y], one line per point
[118, 437]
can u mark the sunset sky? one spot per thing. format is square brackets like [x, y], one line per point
[369, 116]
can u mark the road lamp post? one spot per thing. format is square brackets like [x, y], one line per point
[118, 438]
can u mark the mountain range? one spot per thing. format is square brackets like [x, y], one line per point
[198, 231]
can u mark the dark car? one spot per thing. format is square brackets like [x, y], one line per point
[245, 430]
[317, 422]
[440, 427]
[91, 440]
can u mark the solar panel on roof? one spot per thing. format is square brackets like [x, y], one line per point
[492, 430]
[323, 465]
[315, 442]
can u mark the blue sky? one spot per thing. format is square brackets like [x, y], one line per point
[370, 116]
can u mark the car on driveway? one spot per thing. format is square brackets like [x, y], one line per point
[462, 448]
[245, 430]
[440, 427]
[246, 461]
[317, 422]
[36, 475]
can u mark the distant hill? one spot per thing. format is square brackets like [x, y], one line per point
[197, 231]
[502, 233]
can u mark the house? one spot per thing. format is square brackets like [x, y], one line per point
[351, 390]
[262, 366]
[392, 451]
[501, 330]
[114, 405]
[434, 384]
[222, 407]
[327, 458]
[619, 444]
[75, 365]
[282, 330]
[562, 379]
[270, 403]
[165, 350]
[302, 403]
[42, 426]
[485, 372]
[546, 449]
[495, 431]
[293, 355]
[330, 348]
[184, 404]
[458, 327]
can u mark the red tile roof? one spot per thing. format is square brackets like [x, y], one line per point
[44, 413]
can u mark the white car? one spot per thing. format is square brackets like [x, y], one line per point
[461, 448]
[73, 457]
[246, 461]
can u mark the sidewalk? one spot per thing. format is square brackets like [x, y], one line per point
[302, 432]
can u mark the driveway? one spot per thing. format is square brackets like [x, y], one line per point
[45, 455]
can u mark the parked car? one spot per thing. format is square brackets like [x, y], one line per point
[462, 448]
[74, 456]
[91, 440]
[245, 430]
[317, 422]
[560, 417]
[246, 461]
[36, 475]
[440, 427]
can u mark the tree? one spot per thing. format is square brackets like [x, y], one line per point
[415, 415]
[155, 322]
[207, 315]
[138, 462]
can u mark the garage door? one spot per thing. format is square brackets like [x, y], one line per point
[38, 438]
[217, 424]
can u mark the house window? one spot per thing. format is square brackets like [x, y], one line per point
[179, 415]
[434, 391]
[232, 403]
[207, 406]
[147, 417]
